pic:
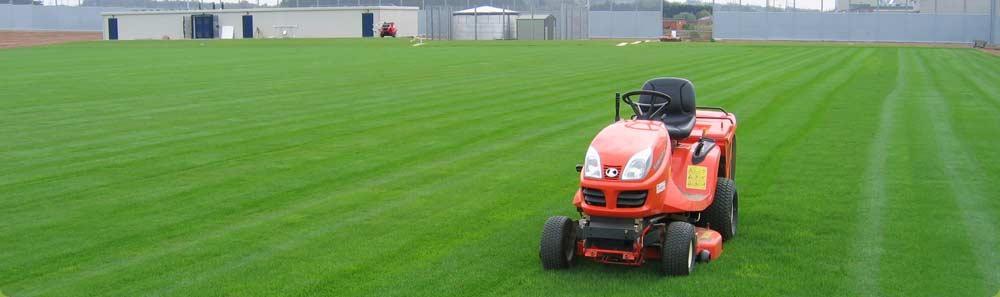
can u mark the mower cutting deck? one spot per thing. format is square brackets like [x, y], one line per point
[659, 186]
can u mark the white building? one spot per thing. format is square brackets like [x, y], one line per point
[311, 22]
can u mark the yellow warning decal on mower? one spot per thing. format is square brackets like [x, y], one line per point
[697, 177]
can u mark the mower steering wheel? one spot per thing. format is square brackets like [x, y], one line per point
[636, 106]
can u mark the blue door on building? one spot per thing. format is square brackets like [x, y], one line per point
[248, 26]
[367, 24]
[204, 27]
[112, 29]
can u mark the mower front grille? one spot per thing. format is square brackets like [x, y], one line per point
[593, 197]
[629, 199]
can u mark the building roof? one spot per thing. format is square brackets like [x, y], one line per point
[486, 9]
[535, 17]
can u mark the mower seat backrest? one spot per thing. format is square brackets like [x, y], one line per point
[680, 113]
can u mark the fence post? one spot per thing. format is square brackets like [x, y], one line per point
[531, 7]
[451, 23]
[611, 12]
[993, 21]
[767, 19]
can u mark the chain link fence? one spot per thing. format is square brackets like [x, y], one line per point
[573, 19]
[626, 18]
[925, 21]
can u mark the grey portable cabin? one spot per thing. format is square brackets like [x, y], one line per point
[536, 27]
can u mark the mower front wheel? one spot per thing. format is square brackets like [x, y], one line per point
[679, 249]
[558, 246]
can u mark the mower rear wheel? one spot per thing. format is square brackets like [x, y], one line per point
[723, 215]
[678, 252]
[558, 246]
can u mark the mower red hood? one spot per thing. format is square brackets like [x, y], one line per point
[619, 141]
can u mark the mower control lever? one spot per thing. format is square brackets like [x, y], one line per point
[701, 150]
[637, 107]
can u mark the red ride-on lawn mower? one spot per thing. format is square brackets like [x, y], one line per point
[658, 186]
[388, 29]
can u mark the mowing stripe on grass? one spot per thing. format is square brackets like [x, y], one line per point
[868, 243]
[964, 175]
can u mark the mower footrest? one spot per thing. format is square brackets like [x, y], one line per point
[710, 241]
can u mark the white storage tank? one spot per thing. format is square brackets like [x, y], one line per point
[484, 23]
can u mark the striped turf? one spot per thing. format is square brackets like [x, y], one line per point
[347, 167]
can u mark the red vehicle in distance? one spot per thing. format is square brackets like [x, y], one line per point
[388, 29]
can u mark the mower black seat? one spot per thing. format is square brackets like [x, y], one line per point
[679, 115]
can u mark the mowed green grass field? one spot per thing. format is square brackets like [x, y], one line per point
[371, 167]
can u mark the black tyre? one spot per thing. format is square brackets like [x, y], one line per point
[723, 215]
[558, 246]
[679, 249]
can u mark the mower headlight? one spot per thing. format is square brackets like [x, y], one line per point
[592, 164]
[638, 165]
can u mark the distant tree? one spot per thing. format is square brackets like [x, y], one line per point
[703, 13]
[687, 16]
[671, 9]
